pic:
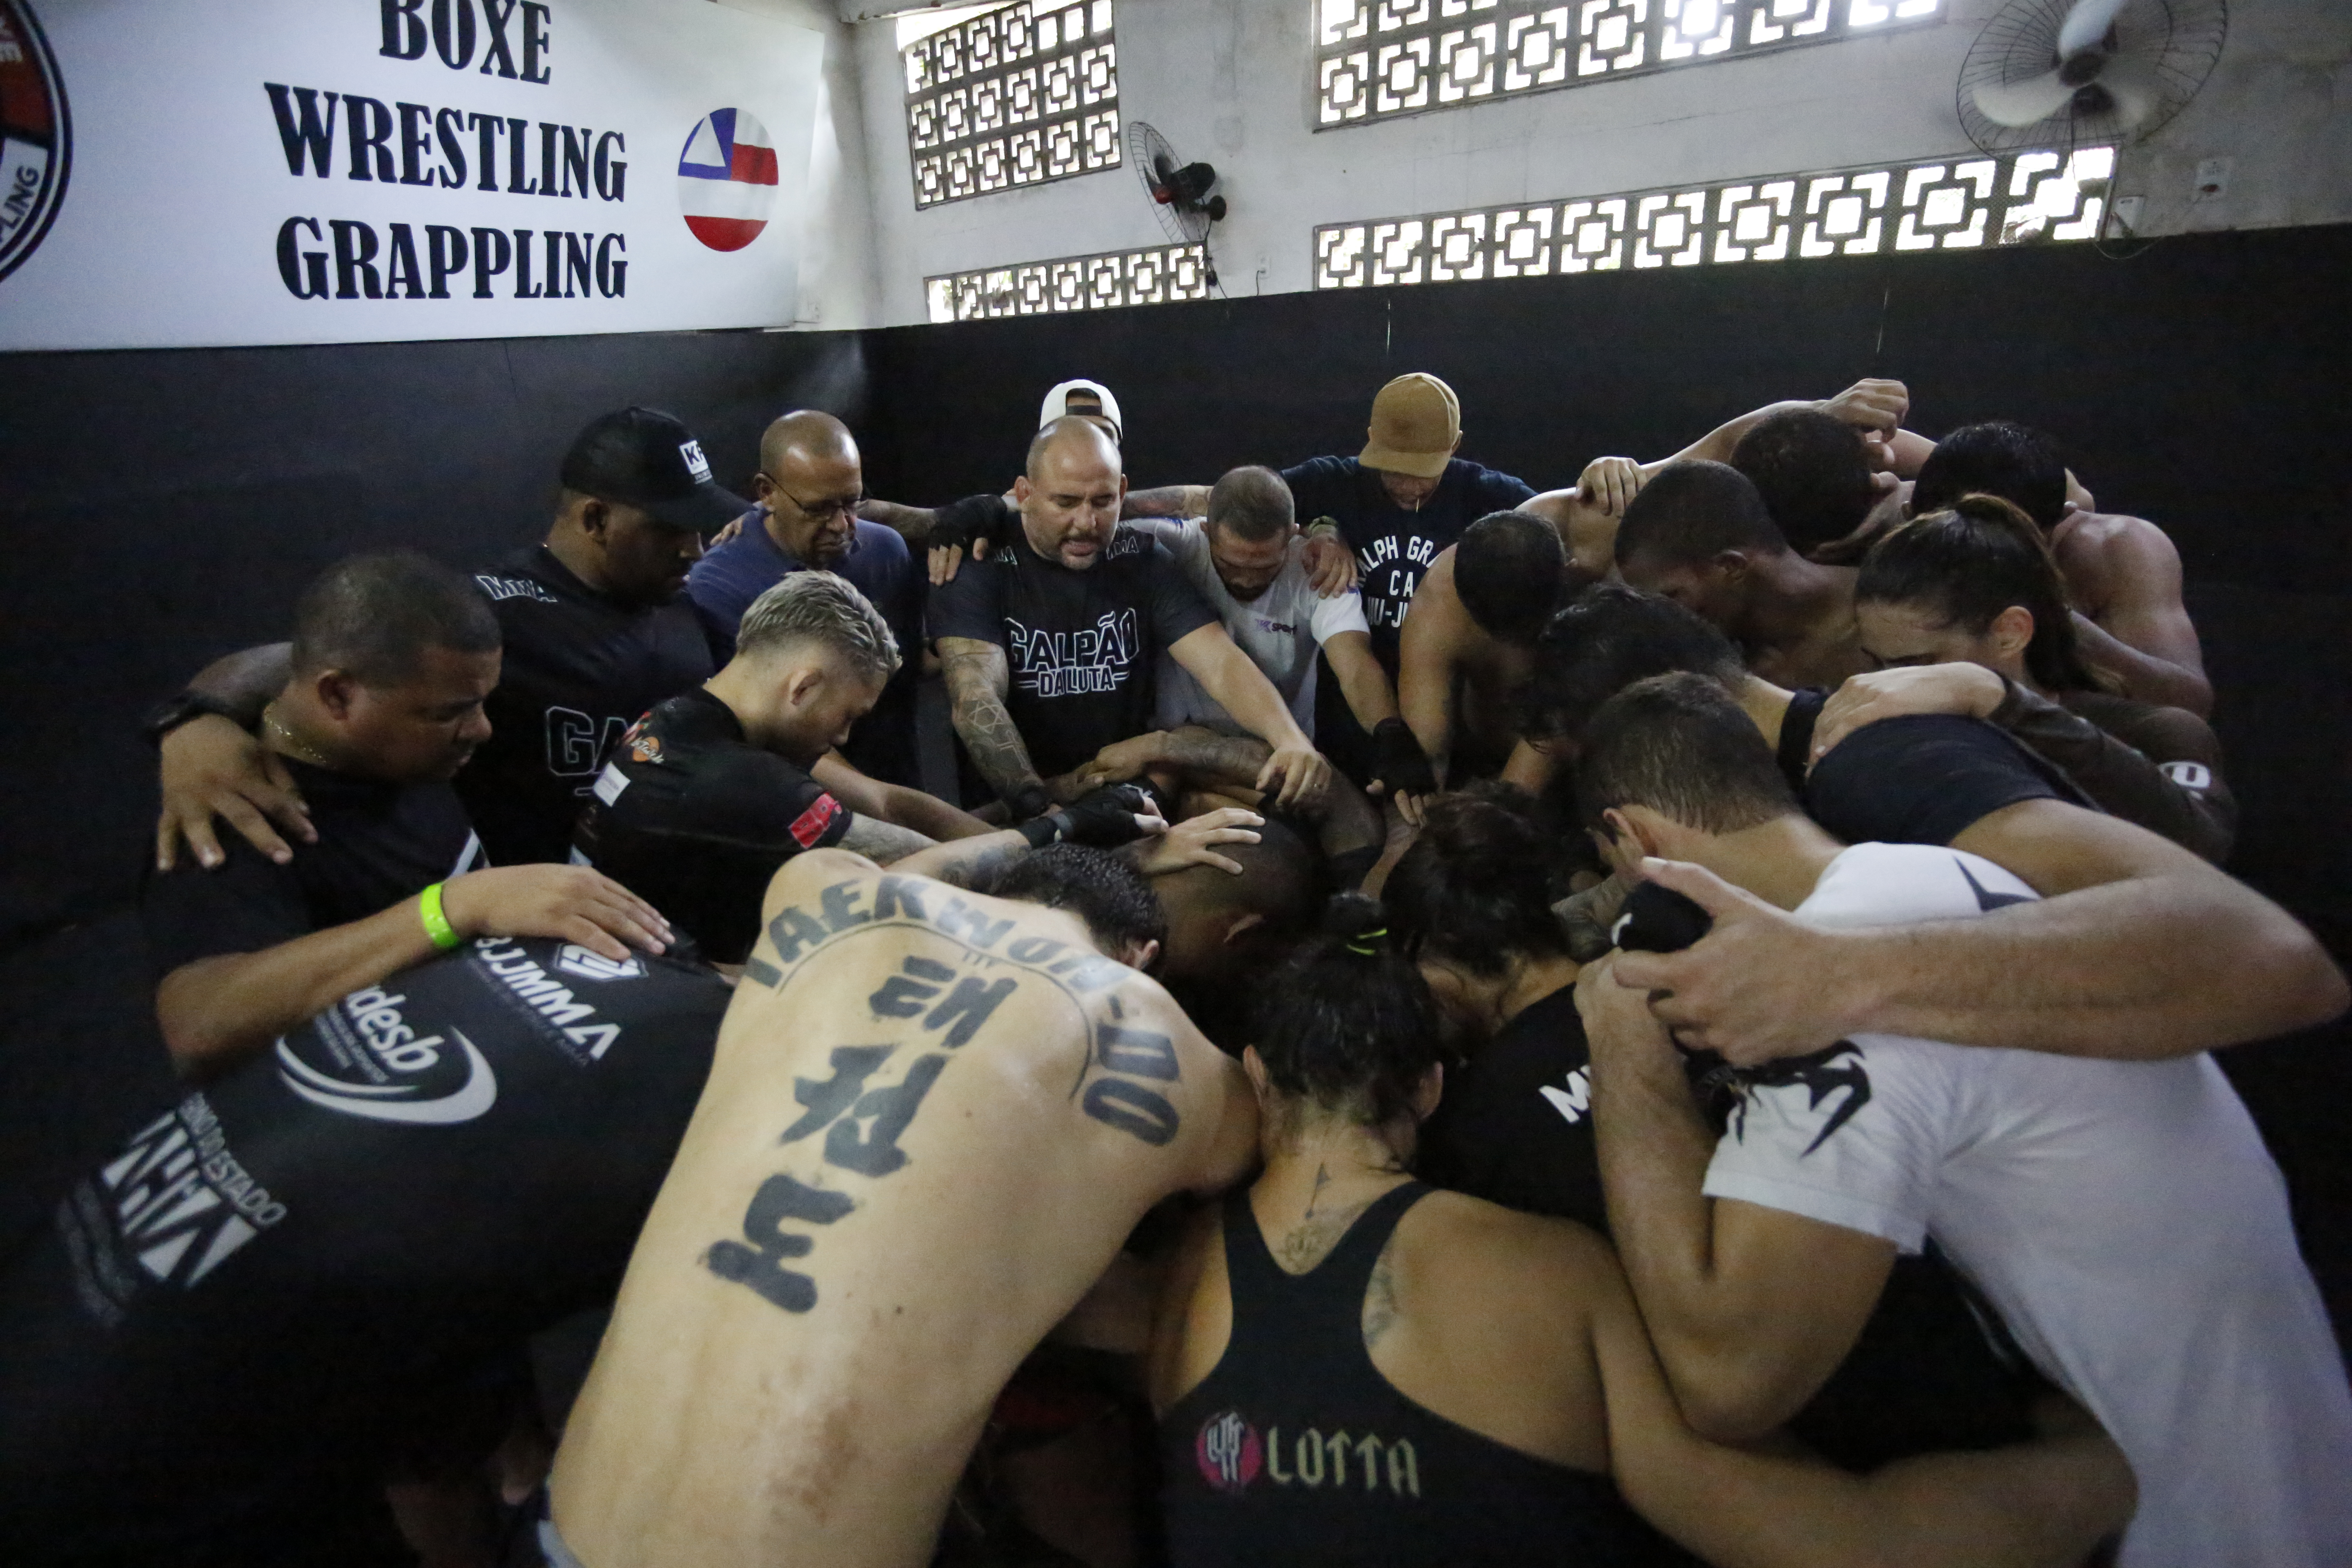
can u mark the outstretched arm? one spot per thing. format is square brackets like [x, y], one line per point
[1167, 501]
[1242, 689]
[2040, 1504]
[218, 1011]
[1875, 407]
[978, 679]
[896, 804]
[1361, 680]
[1435, 629]
[911, 524]
[2138, 951]
[212, 766]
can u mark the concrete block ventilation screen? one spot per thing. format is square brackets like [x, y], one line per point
[1951, 204]
[1375, 59]
[1150, 277]
[1015, 96]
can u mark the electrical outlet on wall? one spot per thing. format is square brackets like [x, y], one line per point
[2213, 179]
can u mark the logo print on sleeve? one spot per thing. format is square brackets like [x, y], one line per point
[177, 1201]
[364, 1058]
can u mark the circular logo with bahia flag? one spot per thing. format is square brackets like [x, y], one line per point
[34, 141]
[726, 179]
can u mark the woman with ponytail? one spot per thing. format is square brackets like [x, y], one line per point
[1975, 585]
[1350, 1367]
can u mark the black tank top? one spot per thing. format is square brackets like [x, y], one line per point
[1295, 1449]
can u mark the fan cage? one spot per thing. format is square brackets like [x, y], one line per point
[2178, 40]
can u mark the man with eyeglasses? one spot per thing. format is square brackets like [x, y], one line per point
[809, 488]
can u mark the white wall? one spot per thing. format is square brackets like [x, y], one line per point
[838, 285]
[1226, 80]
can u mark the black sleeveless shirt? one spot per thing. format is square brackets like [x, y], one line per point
[1295, 1449]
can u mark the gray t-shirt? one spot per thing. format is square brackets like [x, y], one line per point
[1280, 629]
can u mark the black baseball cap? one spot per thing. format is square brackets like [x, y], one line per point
[643, 458]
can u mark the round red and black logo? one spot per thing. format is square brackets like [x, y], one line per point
[36, 136]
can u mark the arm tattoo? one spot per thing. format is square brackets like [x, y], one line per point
[882, 842]
[976, 867]
[1168, 500]
[977, 678]
[1379, 1300]
[1231, 758]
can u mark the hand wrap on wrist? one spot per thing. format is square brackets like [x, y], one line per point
[1103, 819]
[1030, 800]
[958, 522]
[1400, 763]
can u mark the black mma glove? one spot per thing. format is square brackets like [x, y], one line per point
[1659, 920]
[958, 523]
[1400, 765]
[1102, 819]
[1031, 800]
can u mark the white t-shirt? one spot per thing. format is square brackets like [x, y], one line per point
[2123, 1216]
[1280, 629]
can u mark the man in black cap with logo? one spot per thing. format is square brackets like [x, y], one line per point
[596, 629]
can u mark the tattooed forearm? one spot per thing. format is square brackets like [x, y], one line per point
[970, 863]
[1228, 759]
[977, 679]
[881, 842]
[1168, 500]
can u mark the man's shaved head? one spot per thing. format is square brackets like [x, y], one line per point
[812, 481]
[1075, 433]
[807, 435]
[1070, 496]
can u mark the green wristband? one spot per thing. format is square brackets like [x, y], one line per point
[437, 925]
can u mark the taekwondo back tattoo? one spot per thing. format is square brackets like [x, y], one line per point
[922, 1015]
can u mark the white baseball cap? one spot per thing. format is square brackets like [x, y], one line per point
[1057, 406]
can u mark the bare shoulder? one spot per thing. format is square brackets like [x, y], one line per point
[2112, 538]
[1529, 1267]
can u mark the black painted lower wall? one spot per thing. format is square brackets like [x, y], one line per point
[161, 508]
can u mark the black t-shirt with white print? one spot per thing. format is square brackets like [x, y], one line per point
[219, 1326]
[1081, 645]
[579, 668]
[694, 819]
[378, 843]
[1514, 1126]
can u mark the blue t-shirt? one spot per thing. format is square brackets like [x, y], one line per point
[725, 582]
[1395, 547]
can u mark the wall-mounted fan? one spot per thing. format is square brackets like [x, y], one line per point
[1179, 191]
[2059, 73]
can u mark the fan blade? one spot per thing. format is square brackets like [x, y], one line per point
[2019, 103]
[2135, 88]
[2086, 25]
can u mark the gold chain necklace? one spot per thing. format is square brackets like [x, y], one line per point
[290, 742]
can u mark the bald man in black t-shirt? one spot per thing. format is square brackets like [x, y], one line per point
[1049, 645]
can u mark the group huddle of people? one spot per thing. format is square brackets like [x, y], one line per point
[1662, 1020]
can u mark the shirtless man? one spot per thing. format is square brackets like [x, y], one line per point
[2122, 572]
[1699, 534]
[859, 1244]
[1469, 642]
